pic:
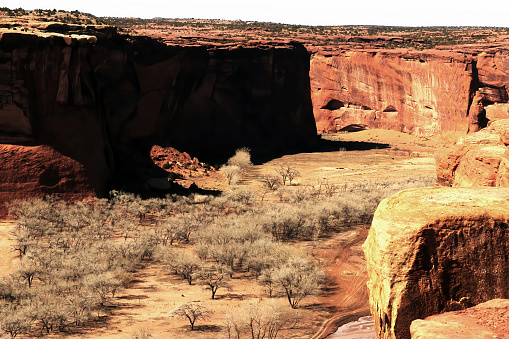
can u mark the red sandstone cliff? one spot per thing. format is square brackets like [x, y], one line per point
[422, 93]
[104, 100]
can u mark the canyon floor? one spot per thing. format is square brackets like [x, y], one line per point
[370, 155]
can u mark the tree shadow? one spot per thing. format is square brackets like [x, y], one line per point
[207, 328]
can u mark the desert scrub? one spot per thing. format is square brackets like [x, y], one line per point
[75, 258]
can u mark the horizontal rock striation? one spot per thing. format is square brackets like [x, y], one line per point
[421, 93]
[104, 99]
[432, 250]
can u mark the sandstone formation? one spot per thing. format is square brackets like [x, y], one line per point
[486, 320]
[38, 171]
[421, 93]
[104, 99]
[478, 159]
[433, 250]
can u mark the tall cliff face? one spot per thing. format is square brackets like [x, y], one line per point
[105, 99]
[421, 93]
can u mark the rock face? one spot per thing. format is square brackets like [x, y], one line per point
[433, 250]
[104, 100]
[486, 320]
[37, 171]
[478, 159]
[421, 93]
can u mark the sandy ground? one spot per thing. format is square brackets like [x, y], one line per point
[9, 259]
[154, 293]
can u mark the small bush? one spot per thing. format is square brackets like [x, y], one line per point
[242, 158]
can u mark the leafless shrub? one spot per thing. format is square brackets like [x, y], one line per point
[192, 311]
[287, 173]
[215, 277]
[231, 173]
[259, 321]
[270, 182]
[299, 279]
[242, 158]
[15, 320]
[141, 333]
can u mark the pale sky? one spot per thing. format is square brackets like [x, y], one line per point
[310, 12]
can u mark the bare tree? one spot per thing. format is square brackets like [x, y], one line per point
[186, 265]
[265, 321]
[192, 311]
[270, 182]
[15, 320]
[214, 278]
[233, 325]
[267, 279]
[287, 172]
[231, 173]
[103, 285]
[299, 278]
[259, 321]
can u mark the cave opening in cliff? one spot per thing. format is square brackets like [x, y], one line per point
[354, 128]
[333, 105]
[390, 108]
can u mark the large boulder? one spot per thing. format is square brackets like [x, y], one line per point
[487, 320]
[433, 250]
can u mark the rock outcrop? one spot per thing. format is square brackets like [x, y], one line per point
[478, 159]
[104, 99]
[486, 320]
[433, 250]
[421, 93]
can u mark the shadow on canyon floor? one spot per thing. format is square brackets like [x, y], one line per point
[323, 145]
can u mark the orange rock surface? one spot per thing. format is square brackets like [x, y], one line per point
[37, 171]
[486, 320]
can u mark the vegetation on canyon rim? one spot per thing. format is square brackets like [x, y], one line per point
[390, 37]
[75, 258]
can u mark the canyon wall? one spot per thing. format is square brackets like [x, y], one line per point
[421, 93]
[104, 99]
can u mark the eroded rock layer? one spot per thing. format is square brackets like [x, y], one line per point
[432, 250]
[486, 320]
[105, 99]
[421, 93]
